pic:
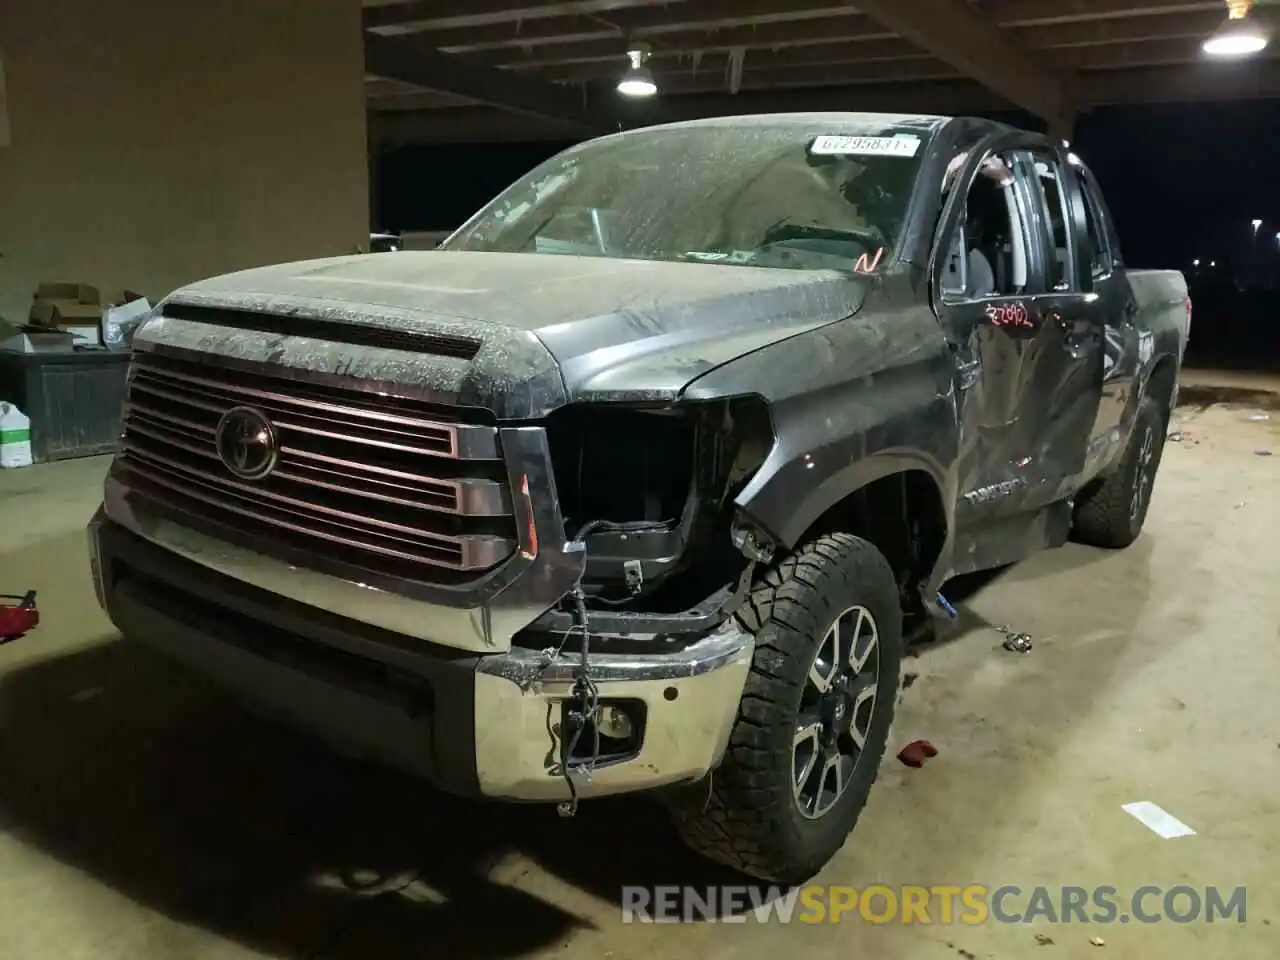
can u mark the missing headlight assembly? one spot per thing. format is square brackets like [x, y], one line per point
[648, 491]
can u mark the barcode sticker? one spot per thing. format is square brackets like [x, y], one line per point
[900, 146]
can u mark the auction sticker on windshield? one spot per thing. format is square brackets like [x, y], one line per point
[899, 146]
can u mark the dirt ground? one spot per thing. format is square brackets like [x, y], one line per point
[144, 817]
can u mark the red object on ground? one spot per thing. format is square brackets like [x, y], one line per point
[17, 619]
[915, 753]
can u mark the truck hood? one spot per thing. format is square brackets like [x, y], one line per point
[612, 329]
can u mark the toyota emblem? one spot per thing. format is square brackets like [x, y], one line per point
[246, 443]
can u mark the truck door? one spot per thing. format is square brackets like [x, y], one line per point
[1069, 376]
[1018, 331]
[1102, 276]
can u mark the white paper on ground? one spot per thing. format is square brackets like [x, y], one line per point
[1157, 819]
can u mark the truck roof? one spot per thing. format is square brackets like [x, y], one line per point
[836, 120]
[927, 126]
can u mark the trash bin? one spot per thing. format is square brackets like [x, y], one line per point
[74, 399]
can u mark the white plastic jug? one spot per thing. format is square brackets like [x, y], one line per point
[15, 437]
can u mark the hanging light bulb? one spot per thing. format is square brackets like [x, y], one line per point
[1239, 35]
[638, 80]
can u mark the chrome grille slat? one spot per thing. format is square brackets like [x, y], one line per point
[393, 492]
[142, 382]
[481, 498]
[486, 493]
[256, 490]
[476, 497]
[135, 411]
[453, 560]
[455, 440]
[287, 418]
[247, 492]
[445, 502]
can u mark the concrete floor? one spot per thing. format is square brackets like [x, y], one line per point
[142, 816]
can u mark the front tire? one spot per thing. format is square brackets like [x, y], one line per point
[814, 718]
[1111, 512]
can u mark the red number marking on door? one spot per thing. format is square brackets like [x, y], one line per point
[1009, 315]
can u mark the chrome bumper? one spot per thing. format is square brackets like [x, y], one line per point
[690, 699]
[497, 714]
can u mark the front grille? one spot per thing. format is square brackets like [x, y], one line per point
[417, 497]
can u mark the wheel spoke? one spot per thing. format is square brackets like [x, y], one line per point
[864, 698]
[861, 647]
[832, 778]
[810, 731]
[822, 681]
[802, 772]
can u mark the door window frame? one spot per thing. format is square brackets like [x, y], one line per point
[1058, 164]
[1097, 209]
[1014, 147]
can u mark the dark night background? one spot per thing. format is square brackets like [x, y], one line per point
[1183, 182]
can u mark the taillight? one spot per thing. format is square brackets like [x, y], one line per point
[1188, 311]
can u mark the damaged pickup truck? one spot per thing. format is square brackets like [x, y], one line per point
[639, 481]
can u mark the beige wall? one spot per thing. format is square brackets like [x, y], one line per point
[155, 142]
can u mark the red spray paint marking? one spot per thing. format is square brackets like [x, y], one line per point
[865, 266]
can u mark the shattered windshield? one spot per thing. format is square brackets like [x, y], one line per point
[754, 194]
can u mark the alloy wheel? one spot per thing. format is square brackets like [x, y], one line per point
[836, 710]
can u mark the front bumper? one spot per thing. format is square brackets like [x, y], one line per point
[473, 725]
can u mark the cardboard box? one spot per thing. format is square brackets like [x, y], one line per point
[79, 292]
[64, 313]
[39, 340]
[66, 305]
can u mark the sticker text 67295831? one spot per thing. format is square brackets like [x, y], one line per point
[899, 146]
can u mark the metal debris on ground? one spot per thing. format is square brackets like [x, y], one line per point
[1260, 418]
[1097, 941]
[1262, 453]
[1043, 940]
[1015, 642]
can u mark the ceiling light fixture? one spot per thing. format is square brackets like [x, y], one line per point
[638, 80]
[1239, 35]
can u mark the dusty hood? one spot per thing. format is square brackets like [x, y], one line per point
[617, 328]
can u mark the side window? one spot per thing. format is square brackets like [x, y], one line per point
[1050, 174]
[988, 252]
[1100, 261]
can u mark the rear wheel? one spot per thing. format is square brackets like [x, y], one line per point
[1112, 511]
[814, 717]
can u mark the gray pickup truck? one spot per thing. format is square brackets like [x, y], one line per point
[639, 481]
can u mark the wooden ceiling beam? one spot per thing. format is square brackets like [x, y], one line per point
[1188, 83]
[851, 30]
[399, 59]
[977, 47]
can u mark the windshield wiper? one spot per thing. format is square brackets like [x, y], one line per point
[785, 230]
